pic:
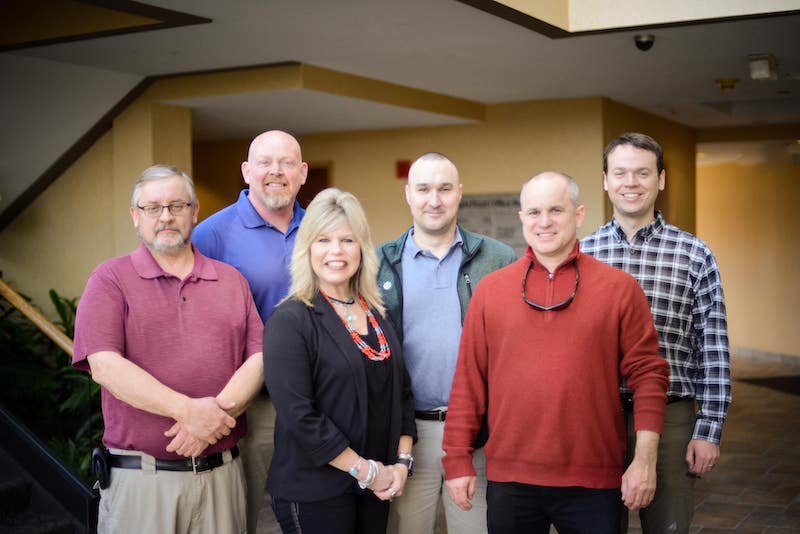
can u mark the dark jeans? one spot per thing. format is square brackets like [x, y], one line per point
[515, 508]
[346, 514]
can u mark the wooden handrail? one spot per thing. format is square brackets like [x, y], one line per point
[36, 317]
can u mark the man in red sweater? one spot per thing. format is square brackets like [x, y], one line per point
[545, 344]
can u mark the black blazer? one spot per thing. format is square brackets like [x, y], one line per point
[316, 378]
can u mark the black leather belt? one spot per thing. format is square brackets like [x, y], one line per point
[627, 400]
[431, 415]
[196, 465]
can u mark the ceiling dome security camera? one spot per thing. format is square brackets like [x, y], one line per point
[644, 41]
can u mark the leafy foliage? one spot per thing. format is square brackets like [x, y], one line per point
[38, 384]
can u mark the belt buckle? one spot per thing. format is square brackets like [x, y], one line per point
[202, 464]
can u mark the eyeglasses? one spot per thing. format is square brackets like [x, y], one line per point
[155, 210]
[554, 307]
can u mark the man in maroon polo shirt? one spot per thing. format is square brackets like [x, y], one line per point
[174, 339]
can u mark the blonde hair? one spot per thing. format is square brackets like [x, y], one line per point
[329, 209]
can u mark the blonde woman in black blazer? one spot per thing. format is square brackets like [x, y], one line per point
[334, 369]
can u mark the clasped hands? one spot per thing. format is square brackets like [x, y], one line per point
[389, 481]
[198, 424]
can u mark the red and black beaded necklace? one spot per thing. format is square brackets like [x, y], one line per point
[374, 355]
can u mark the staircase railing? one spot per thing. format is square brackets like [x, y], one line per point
[36, 317]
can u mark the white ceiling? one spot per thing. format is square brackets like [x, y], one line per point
[57, 92]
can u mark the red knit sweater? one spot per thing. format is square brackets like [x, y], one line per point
[551, 379]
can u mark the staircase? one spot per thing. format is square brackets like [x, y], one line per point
[38, 493]
[26, 508]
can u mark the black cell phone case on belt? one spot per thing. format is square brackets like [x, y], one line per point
[101, 466]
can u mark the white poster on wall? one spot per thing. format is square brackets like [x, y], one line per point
[496, 216]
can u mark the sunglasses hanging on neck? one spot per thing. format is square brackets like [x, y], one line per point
[555, 307]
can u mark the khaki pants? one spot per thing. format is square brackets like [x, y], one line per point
[416, 510]
[673, 505]
[256, 448]
[146, 500]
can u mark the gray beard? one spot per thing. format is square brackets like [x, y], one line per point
[275, 202]
[168, 248]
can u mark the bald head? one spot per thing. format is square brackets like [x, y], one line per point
[573, 190]
[274, 170]
[273, 137]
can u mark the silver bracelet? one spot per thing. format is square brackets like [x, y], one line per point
[355, 469]
[371, 474]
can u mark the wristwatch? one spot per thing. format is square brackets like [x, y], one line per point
[407, 460]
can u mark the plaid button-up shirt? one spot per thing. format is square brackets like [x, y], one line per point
[679, 275]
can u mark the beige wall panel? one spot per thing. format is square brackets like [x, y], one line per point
[132, 153]
[172, 136]
[229, 82]
[746, 213]
[62, 235]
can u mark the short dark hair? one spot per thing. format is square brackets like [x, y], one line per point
[430, 157]
[638, 140]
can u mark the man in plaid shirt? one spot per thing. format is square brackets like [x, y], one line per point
[679, 275]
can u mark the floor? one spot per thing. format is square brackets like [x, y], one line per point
[755, 486]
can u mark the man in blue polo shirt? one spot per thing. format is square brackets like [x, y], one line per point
[427, 277]
[256, 235]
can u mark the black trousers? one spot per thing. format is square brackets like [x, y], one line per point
[515, 508]
[347, 514]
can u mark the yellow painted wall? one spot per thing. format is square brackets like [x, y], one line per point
[64, 233]
[516, 141]
[83, 218]
[217, 173]
[677, 201]
[145, 134]
[746, 214]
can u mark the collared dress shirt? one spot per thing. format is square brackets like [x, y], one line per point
[680, 277]
[431, 321]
